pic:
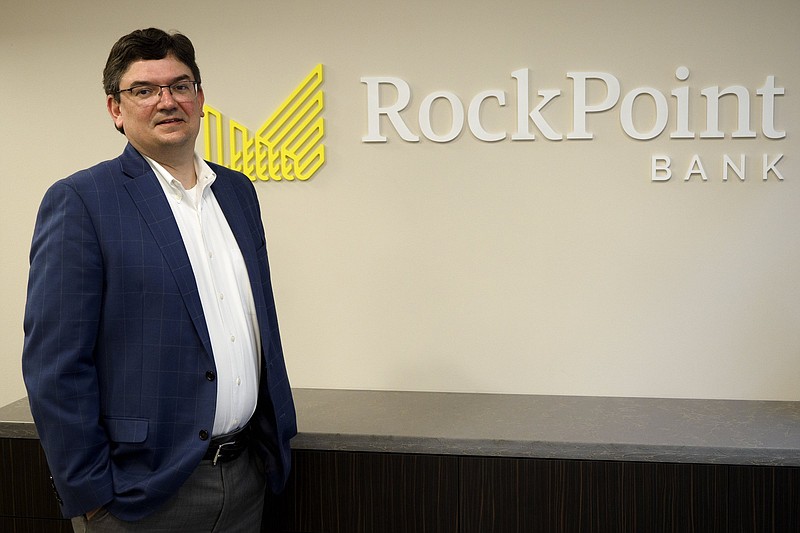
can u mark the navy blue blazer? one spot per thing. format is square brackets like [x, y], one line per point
[117, 358]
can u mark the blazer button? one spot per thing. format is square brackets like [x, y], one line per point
[210, 376]
[203, 434]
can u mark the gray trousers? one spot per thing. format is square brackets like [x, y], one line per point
[228, 497]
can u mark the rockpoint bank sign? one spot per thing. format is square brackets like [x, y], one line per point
[395, 109]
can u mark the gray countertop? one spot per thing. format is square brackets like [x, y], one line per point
[559, 427]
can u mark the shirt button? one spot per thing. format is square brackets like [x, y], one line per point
[238, 381]
[221, 296]
[233, 339]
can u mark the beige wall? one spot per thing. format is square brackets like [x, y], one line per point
[545, 267]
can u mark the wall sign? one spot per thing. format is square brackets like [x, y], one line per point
[288, 146]
[530, 123]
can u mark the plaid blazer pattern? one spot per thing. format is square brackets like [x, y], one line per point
[117, 358]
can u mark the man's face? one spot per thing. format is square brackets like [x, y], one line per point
[163, 129]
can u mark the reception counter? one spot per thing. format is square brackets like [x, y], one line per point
[380, 461]
[555, 427]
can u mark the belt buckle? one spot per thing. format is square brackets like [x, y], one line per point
[219, 451]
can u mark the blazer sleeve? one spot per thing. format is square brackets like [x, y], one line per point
[61, 320]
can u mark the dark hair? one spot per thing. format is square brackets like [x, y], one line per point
[151, 43]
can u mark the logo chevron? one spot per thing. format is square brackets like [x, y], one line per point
[288, 146]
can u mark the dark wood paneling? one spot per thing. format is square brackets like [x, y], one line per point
[345, 492]
[348, 492]
[764, 499]
[538, 495]
[28, 525]
[25, 489]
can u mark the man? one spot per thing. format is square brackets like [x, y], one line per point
[152, 355]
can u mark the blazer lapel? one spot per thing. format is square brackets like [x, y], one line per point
[233, 207]
[149, 198]
[234, 212]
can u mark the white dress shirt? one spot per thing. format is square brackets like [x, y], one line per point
[225, 293]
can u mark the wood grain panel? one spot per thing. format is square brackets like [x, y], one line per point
[31, 525]
[25, 489]
[350, 492]
[345, 492]
[537, 495]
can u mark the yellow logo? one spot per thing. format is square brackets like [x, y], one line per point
[288, 146]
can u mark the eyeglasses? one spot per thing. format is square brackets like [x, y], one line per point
[182, 91]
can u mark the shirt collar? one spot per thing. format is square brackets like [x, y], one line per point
[174, 188]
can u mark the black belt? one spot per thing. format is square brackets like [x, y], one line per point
[224, 448]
